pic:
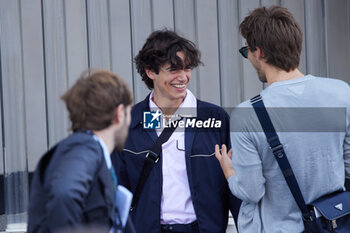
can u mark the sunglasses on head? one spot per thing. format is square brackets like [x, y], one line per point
[244, 51]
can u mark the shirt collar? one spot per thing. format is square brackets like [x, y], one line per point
[291, 81]
[106, 153]
[188, 108]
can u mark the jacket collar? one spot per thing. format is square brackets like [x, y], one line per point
[137, 112]
[139, 108]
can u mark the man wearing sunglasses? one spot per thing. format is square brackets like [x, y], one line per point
[319, 158]
[185, 189]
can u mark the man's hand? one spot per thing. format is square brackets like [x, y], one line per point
[225, 160]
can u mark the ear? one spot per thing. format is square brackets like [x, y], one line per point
[119, 114]
[260, 53]
[150, 74]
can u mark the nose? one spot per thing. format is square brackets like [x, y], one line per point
[184, 75]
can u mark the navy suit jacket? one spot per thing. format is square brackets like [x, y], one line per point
[209, 189]
[71, 187]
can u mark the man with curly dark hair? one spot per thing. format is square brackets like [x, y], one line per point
[185, 190]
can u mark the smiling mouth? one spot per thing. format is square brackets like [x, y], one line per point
[178, 85]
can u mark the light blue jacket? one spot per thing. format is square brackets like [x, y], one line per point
[311, 116]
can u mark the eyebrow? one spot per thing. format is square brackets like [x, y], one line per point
[170, 67]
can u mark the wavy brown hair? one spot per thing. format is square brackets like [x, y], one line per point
[275, 31]
[91, 101]
[161, 48]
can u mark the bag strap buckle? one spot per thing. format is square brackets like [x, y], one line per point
[153, 156]
[278, 150]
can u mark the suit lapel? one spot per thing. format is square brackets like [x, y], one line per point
[105, 178]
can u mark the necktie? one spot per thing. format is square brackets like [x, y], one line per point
[114, 178]
[117, 225]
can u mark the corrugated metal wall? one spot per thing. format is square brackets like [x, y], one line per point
[46, 44]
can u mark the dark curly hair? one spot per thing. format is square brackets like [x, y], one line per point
[161, 48]
[275, 31]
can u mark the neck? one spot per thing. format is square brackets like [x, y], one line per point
[106, 135]
[168, 106]
[276, 75]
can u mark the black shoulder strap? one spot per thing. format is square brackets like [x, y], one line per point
[279, 153]
[152, 158]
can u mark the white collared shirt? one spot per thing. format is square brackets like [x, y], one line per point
[106, 153]
[176, 202]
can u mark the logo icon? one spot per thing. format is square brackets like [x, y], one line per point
[151, 120]
[339, 206]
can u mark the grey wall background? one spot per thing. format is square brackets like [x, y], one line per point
[46, 44]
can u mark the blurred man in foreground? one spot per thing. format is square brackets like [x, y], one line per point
[74, 184]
